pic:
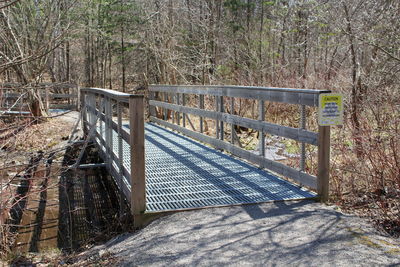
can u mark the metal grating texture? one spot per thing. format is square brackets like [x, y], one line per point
[182, 173]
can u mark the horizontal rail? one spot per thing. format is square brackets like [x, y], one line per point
[51, 95]
[279, 130]
[285, 95]
[277, 167]
[118, 96]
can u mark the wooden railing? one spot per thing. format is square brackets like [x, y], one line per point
[55, 96]
[105, 116]
[174, 99]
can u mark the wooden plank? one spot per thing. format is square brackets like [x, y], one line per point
[279, 130]
[138, 182]
[70, 96]
[62, 106]
[323, 162]
[285, 95]
[300, 177]
[116, 95]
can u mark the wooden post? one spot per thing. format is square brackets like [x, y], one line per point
[153, 111]
[232, 125]
[261, 135]
[120, 157]
[323, 162]
[216, 98]
[221, 109]
[78, 97]
[303, 145]
[83, 114]
[201, 106]
[46, 88]
[178, 103]
[173, 101]
[136, 138]
[165, 110]
[183, 114]
[109, 131]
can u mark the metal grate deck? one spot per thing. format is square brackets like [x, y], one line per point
[182, 173]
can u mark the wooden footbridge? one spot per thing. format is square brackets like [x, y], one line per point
[170, 163]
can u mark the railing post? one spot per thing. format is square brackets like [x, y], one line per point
[138, 182]
[46, 88]
[183, 114]
[221, 109]
[323, 162]
[201, 106]
[302, 145]
[178, 118]
[84, 113]
[232, 125]
[165, 110]
[108, 129]
[216, 98]
[120, 156]
[261, 135]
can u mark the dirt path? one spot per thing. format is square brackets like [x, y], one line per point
[274, 234]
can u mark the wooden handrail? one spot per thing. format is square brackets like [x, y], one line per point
[130, 177]
[301, 97]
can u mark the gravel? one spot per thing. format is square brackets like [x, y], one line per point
[300, 233]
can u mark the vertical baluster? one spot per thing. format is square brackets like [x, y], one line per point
[105, 134]
[261, 117]
[183, 114]
[216, 98]
[83, 108]
[120, 161]
[303, 145]
[165, 110]
[201, 105]
[173, 101]
[178, 103]
[232, 125]
[221, 105]
[152, 108]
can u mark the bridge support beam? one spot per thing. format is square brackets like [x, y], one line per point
[138, 180]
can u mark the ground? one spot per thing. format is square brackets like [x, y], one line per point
[300, 233]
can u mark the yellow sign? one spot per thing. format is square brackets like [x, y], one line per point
[330, 109]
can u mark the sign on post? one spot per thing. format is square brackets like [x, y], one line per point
[330, 109]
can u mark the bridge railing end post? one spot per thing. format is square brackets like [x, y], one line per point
[323, 162]
[138, 179]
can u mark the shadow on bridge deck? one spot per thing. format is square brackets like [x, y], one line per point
[182, 173]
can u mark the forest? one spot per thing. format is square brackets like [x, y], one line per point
[347, 46]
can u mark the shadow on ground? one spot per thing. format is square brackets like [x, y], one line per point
[283, 233]
[74, 208]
